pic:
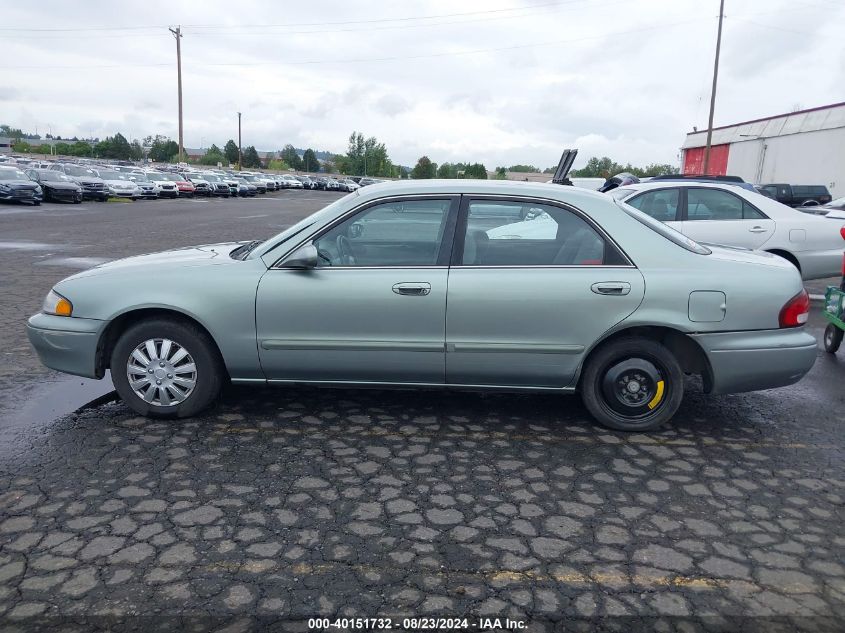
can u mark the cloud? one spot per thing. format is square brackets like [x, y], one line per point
[495, 87]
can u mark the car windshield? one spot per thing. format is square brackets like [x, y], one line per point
[52, 176]
[138, 178]
[79, 171]
[12, 174]
[211, 178]
[112, 175]
[666, 231]
[280, 238]
[836, 203]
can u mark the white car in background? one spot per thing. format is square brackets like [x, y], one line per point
[119, 184]
[291, 182]
[728, 215]
[167, 186]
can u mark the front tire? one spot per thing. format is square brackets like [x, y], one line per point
[832, 338]
[632, 384]
[166, 369]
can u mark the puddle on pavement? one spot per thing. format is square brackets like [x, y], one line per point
[52, 400]
[73, 262]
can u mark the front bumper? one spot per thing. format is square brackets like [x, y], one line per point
[66, 344]
[762, 359]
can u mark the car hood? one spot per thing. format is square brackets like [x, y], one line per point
[58, 184]
[20, 183]
[190, 256]
[87, 180]
[120, 183]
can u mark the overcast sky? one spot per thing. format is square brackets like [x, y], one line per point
[495, 81]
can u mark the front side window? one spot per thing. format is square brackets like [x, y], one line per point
[661, 204]
[714, 204]
[399, 233]
[511, 233]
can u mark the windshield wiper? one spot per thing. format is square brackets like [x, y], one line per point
[247, 249]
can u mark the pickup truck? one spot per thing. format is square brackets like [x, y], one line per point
[798, 195]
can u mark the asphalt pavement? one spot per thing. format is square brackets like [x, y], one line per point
[286, 504]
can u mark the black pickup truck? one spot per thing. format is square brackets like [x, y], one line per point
[798, 195]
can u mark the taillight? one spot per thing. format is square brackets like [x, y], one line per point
[796, 311]
[842, 232]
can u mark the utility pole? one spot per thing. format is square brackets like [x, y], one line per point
[177, 33]
[713, 90]
[240, 153]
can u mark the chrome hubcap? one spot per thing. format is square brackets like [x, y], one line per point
[161, 372]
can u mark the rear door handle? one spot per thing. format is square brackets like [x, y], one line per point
[757, 229]
[611, 288]
[413, 289]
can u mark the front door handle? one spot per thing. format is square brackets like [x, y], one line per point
[757, 229]
[413, 289]
[618, 288]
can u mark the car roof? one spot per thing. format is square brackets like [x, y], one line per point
[665, 184]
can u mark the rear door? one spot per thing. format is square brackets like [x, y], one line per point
[718, 216]
[663, 205]
[531, 287]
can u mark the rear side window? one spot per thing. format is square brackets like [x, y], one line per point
[715, 204]
[661, 204]
[516, 233]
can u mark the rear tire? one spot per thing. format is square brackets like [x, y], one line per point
[832, 338]
[632, 384]
[198, 387]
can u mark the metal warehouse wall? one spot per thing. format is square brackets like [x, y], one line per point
[809, 158]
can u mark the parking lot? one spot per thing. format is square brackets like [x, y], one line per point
[288, 504]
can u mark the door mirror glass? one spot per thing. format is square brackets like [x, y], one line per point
[303, 257]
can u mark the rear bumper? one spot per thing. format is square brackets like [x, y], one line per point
[821, 264]
[764, 359]
[66, 344]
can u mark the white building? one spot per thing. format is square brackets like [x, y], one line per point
[806, 147]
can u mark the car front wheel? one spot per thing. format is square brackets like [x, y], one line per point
[632, 384]
[832, 338]
[166, 369]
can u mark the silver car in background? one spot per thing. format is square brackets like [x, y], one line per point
[455, 283]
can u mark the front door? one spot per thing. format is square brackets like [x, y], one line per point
[532, 287]
[374, 309]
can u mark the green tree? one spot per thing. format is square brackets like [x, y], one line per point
[116, 147]
[251, 158]
[277, 164]
[501, 173]
[162, 149]
[309, 161]
[81, 148]
[291, 157]
[424, 168]
[365, 157]
[447, 170]
[230, 151]
[212, 156]
[528, 169]
[476, 171]
[136, 151]
[21, 147]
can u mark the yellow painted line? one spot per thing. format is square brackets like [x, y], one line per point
[658, 580]
[658, 396]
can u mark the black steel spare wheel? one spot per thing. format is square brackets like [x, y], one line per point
[633, 387]
[632, 384]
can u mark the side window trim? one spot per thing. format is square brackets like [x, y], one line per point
[445, 243]
[459, 234]
[742, 200]
[680, 210]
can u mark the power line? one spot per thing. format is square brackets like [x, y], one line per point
[653, 27]
[294, 24]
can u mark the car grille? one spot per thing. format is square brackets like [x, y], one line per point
[23, 193]
[168, 187]
[93, 186]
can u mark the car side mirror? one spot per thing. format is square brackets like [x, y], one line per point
[303, 257]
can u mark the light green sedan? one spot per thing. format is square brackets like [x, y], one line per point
[459, 283]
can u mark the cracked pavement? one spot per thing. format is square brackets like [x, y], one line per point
[285, 504]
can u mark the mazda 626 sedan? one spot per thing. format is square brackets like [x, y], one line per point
[459, 283]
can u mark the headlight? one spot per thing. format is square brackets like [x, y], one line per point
[4, 187]
[38, 189]
[56, 304]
